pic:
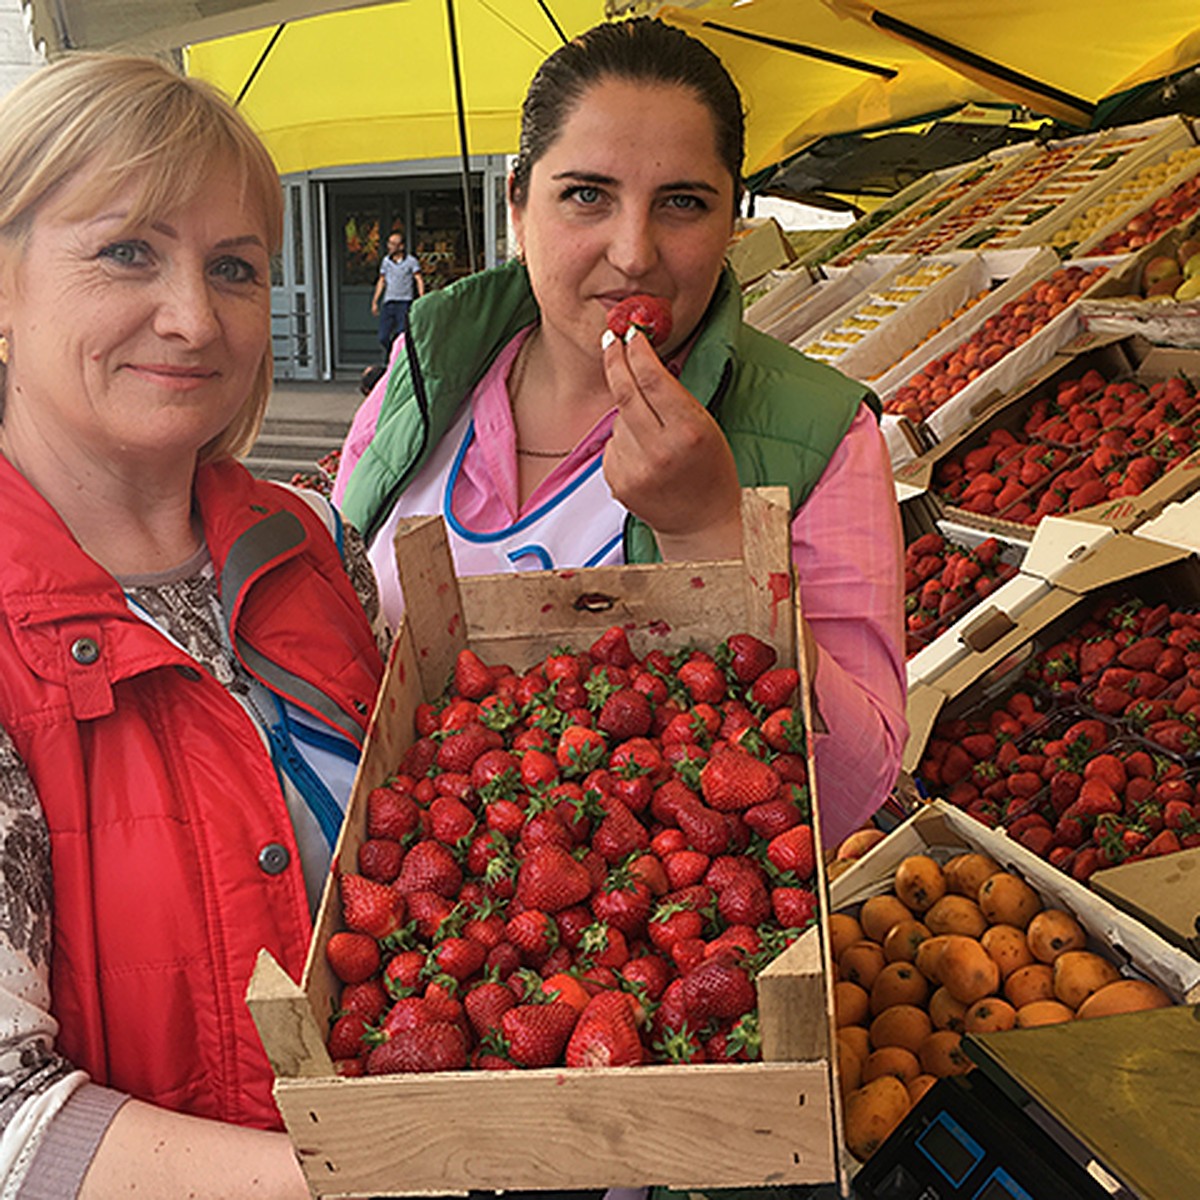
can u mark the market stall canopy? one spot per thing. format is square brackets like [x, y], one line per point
[59, 25]
[377, 84]
[1062, 58]
[807, 72]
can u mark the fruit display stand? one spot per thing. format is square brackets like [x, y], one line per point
[1162, 893]
[777, 291]
[1134, 959]
[939, 830]
[951, 190]
[792, 308]
[1132, 203]
[757, 246]
[1040, 212]
[1159, 318]
[956, 229]
[769, 1122]
[1024, 460]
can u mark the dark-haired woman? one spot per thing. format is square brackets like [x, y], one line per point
[546, 444]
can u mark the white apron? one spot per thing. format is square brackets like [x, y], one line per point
[580, 526]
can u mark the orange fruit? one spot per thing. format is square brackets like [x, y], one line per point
[1028, 984]
[1123, 996]
[898, 983]
[1007, 899]
[1079, 973]
[919, 882]
[1052, 932]
[879, 913]
[966, 969]
[906, 1025]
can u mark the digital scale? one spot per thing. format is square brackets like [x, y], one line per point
[1102, 1109]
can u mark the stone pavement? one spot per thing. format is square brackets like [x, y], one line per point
[304, 421]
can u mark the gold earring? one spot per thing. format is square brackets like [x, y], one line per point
[3, 349]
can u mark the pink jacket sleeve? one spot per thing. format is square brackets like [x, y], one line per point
[848, 551]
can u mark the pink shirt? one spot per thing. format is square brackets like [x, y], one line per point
[848, 551]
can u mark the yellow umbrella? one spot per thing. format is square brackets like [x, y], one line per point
[807, 72]
[377, 84]
[1059, 57]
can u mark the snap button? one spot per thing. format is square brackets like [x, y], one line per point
[274, 858]
[188, 673]
[85, 651]
[360, 707]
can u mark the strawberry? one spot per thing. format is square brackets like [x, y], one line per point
[672, 922]
[619, 834]
[537, 1033]
[625, 714]
[649, 974]
[703, 680]
[612, 647]
[624, 902]
[744, 901]
[369, 907]
[460, 750]
[550, 879]
[353, 957]
[435, 1046]
[606, 1034]
[533, 933]
[717, 988]
[472, 676]
[783, 729]
[451, 820]
[792, 851]
[458, 957]
[391, 814]
[794, 907]
[347, 1036]
[684, 867]
[430, 867]
[746, 657]
[650, 314]
[486, 1003]
[733, 779]
[379, 859]
[703, 826]
[579, 750]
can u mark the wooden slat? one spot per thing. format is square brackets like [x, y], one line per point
[791, 1004]
[432, 604]
[689, 1126]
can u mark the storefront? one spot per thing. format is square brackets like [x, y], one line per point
[337, 222]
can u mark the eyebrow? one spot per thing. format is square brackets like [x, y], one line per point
[245, 239]
[678, 185]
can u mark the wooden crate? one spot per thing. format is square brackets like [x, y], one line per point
[768, 1123]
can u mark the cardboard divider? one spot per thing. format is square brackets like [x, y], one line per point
[747, 1124]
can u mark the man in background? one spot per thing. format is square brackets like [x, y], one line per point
[400, 282]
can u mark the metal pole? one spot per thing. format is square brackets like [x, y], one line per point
[460, 106]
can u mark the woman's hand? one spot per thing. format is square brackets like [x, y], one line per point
[667, 460]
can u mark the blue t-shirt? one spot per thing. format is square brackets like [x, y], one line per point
[399, 275]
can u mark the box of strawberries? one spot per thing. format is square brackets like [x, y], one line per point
[572, 936]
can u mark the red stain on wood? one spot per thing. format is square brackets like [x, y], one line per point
[779, 584]
[658, 628]
[698, 581]
[452, 626]
[546, 607]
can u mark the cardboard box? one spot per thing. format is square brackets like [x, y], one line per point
[1056, 589]
[941, 831]
[1162, 893]
[758, 246]
[1114, 356]
[689, 1126]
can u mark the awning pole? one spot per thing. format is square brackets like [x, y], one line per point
[460, 106]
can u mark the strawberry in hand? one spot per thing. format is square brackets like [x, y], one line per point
[650, 314]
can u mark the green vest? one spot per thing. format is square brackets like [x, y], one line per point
[783, 414]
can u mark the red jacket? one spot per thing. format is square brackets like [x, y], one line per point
[157, 790]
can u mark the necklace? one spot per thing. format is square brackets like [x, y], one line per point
[516, 378]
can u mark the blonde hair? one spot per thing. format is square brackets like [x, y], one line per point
[126, 119]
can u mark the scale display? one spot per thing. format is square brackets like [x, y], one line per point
[965, 1140]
